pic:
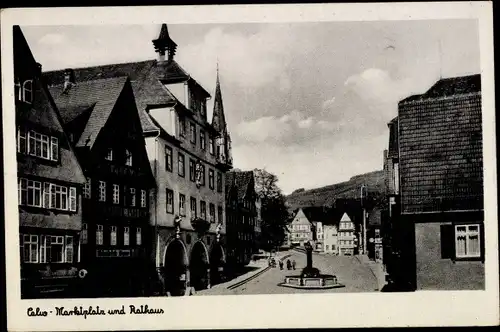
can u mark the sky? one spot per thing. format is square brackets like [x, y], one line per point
[309, 102]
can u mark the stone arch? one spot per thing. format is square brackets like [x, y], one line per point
[175, 264]
[217, 263]
[199, 266]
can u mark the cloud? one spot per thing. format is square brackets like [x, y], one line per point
[289, 129]
[51, 39]
[250, 61]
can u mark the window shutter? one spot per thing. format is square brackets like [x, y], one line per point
[447, 242]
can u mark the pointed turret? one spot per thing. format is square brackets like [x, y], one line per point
[164, 44]
[223, 140]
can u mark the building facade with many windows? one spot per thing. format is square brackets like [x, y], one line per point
[188, 155]
[242, 216]
[50, 182]
[102, 121]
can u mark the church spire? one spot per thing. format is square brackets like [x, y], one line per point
[218, 118]
[164, 44]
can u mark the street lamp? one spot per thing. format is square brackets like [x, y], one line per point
[364, 189]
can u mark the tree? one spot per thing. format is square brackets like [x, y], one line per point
[274, 212]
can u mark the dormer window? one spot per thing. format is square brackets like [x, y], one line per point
[28, 91]
[109, 155]
[128, 158]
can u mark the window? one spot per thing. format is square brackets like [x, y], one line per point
[182, 204]
[112, 239]
[219, 215]
[211, 211]
[128, 158]
[219, 182]
[191, 170]
[396, 178]
[192, 132]
[87, 187]
[116, 194]
[21, 140]
[211, 178]
[138, 236]
[28, 91]
[170, 201]
[181, 167]
[38, 145]
[182, 127]
[30, 248]
[30, 192]
[99, 235]
[143, 198]
[193, 208]
[132, 196]
[203, 210]
[202, 140]
[68, 250]
[109, 155]
[72, 199]
[467, 242]
[327, 247]
[200, 173]
[102, 191]
[211, 144]
[126, 236]
[59, 197]
[54, 148]
[57, 249]
[168, 158]
[84, 236]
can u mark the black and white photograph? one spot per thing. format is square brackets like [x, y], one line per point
[184, 158]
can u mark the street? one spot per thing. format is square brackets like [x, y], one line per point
[356, 277]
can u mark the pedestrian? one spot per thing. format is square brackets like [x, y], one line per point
[288, 265]
[293, 264]
[281, 265]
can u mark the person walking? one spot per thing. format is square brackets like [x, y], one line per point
[281, 265]
[293, 264]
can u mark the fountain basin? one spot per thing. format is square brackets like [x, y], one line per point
[321, 281]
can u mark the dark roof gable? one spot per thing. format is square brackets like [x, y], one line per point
[450, 87]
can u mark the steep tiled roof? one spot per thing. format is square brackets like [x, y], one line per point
[240, 181]
[99, 95]
[450, 87]
[440, 143]
[146, 77]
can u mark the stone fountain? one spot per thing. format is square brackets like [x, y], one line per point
[311, 277]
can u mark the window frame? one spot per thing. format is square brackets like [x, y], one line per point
[99, 235]
[126, 236]
[102, 191]
[181, 159]
[109, 155]
[182, 205]
[116, 193]
[169, 196]
[113, 236]
[169, 159]
[128, 158]
[26, 90]
[468, 233]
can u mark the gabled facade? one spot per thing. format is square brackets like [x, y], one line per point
[330, 239]
[102, 121]
[50, 182]
[241, 212]
[301, 229]
[439, 234]
[346, 236]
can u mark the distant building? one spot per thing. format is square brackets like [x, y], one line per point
[50, 182]
[241, 212]
[436, 217]
[330, 239]
[374, 235]
[300, 229]
[346, 236]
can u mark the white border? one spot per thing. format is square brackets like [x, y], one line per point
[443, 308]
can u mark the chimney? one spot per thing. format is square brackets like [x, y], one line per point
[38, 69]
[69, 79]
